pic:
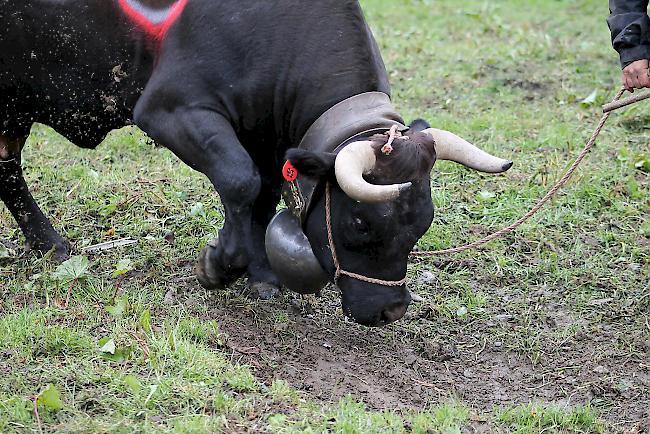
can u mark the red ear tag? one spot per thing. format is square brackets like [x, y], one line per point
[289, 172]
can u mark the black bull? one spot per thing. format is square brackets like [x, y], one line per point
[229, 87]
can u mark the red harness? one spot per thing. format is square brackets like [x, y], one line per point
[154, 29]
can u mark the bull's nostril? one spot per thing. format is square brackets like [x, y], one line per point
[393, 313]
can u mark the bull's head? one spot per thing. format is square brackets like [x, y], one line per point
[380, 205]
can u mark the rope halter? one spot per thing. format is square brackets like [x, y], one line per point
[337, 265]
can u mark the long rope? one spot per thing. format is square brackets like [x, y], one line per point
[633, 99]
[540, 203]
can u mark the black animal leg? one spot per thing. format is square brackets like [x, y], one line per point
[38, 230]
[261, 277]
[207, 142]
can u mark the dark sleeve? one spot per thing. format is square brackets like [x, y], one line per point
[630, 27]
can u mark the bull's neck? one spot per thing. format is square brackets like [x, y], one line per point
[351, 118]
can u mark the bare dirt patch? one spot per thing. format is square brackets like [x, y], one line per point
[319, 353]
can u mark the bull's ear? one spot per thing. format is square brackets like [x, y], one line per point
[419, 125]
[312, 164]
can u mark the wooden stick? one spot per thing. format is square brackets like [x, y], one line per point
[101, 247]
[626, 101]
[38, 418]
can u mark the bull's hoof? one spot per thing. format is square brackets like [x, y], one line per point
[62, 251]
[59, 249]
[206, 271]
[263, 290]
[210, 274]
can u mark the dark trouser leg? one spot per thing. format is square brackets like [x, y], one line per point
[38, 230]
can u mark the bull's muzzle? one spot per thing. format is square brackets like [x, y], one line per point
[291, 256]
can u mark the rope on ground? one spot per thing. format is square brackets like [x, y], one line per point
[559, 184]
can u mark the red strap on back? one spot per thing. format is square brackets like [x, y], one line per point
[155, 31]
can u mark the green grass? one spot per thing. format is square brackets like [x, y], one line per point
[536, 419]
[568, 292]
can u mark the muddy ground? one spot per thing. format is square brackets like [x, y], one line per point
[397, 367]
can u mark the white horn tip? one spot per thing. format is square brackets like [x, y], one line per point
[496, 166]
[403, 187]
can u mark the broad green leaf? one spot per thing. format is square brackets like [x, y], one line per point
[112, 352]
[121, 354]
[122, 267]
[133, 383]
[108, 347]
[486, 195]
[623, 154]
[590, 100]
[50, 398]
[119, 308]
[197, 209]
[4, 252]
[145, 320]
[643, 165]
[73, 269]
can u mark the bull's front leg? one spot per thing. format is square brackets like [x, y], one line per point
[39, 234]
[206, 141]
[262, 279]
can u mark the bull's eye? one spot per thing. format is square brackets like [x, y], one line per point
[360, 225]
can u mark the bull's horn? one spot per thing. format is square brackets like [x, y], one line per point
[453, 148]
[354, 161]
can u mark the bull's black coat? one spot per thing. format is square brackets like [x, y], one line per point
[269, 68]
[229, 89]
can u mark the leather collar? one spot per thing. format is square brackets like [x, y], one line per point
[350, 120]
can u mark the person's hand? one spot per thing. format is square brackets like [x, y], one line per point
[635, 75]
